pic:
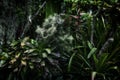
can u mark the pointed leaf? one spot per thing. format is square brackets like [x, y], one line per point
[95, 60]
[93, 75]
[89, 45]
[91, 52]
[70, 61]
[85, 61]
[48, 50]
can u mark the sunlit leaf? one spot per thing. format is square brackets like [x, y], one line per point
[93, 75]
[17, 55]
[2, 62]
[29, 50]
[13, 61]
[43, 63]
[93, 50]
[24, 41]
[23, 63]
[48, 50]
[89, 45]
[44, 55]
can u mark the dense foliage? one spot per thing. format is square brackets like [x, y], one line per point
[59, 40]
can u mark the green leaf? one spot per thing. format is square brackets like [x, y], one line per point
[95, 60]
[33, 41]
[48, 50]
[78, 47]
[91, 52]
[29, 51]
[103, 58]
[85, 61]
[1, 63]
[43, 63]
[102, 61]
[14, 43]
[70, 61]
[44, 55]
[89, 45]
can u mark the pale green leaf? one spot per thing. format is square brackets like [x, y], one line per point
[48, 50]
[89, 45]
[91, 52]
[94, 75]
